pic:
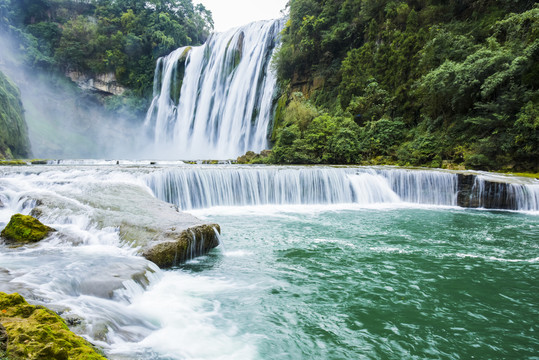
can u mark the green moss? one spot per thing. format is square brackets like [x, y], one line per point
[521, 174]
[25, 229]
[13, 130]
[177, 76]
[279, 116]
[35, 332]
[12, 162]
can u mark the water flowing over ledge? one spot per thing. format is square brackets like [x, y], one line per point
[216, 100]
[203, 187]
[102, 198]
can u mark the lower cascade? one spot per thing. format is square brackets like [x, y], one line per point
[216, 98]
[203, 187]
[267, 270]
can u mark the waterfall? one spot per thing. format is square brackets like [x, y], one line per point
[502, 195]
[202, 187]
[215, 100]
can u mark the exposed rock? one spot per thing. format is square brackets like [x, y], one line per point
[177, 81]
[35, 332]
[176, 247]
[485, 193]
[165, 236]
[23, 229]
[105, 83]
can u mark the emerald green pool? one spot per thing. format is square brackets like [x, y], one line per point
[390, 283]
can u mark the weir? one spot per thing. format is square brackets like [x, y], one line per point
[204, 187]
[215, 100]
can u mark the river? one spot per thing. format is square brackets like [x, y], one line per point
[327, 274]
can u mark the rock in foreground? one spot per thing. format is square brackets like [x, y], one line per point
[163, 234]
[34, 332]
[23, 229]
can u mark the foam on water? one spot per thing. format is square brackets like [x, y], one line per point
[134, 310]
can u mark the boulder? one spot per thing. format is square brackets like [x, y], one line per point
[163, 234]
[175, 247]
[23, 229]
[35, 332]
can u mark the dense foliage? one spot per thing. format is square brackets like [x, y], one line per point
[98, 36]
[411, 82]
[13, 131]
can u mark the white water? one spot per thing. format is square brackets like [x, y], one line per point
[87, 272]
[203, 187]
[126, 304]
[225, 103]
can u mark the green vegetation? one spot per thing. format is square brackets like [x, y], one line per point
[25, 229]
[123, 37]
[13, 131]
[34, 332]
[417, 82]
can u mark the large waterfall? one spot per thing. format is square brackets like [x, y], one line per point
[215, 100]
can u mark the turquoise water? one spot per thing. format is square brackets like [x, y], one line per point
[377, 283]
[351, 272]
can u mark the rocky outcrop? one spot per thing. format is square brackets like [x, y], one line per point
[175, 247]
[476, 192]
[103, 83]
[163, 234]
[14, 141]
[35, 332]
[23, 229]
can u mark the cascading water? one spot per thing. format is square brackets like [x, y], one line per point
[191, 188]
[215, 100]
[288, 273]
[204, 187]
[496, 195]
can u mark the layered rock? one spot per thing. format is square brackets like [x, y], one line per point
[476, 192]
[104, 83]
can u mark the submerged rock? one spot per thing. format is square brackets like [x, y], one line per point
[23, 229]
[35, 332]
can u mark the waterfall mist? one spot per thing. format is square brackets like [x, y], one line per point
[65, 122]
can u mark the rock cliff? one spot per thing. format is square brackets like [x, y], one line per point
[14, 142]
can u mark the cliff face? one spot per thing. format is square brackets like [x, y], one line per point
[102, 83]
[14, 140]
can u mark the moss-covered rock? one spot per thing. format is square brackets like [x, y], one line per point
[14, 141]
[34, 332]
[177, 248]
[25, 229]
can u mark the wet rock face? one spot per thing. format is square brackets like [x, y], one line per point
[23, 229]
[487, 194]
[176, 248]
[464, 195]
